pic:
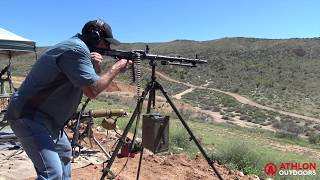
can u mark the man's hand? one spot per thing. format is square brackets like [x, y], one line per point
[121, 65]
[100, 85]
[96, 60]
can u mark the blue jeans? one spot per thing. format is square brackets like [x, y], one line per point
[51, 156]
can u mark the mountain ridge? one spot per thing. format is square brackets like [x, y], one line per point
[279, 73]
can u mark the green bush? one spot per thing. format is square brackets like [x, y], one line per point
[314, 138]
[289, 127]
[239, 156]
[317, 127]
[180, 139]
[286, 135]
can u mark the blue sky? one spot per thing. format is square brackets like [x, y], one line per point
[49, 22]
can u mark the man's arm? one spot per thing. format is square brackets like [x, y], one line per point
[100, 85]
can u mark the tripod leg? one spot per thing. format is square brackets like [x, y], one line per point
[3, 90]
[120, 143]
[11, 87]
[140, 160]
[136, 112]
[100, 146]
[151, 100]
[210, 162]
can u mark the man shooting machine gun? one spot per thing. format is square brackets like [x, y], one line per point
[136, 56]
[51, 93]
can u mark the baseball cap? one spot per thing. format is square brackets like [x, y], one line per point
[104, 28]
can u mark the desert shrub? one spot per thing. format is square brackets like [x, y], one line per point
[299, 52]
[239, 156]
[179, 139]
[288, 126]
[243, 117]
[286, 135]
[225, 117]
[317, 127]
[314, 138]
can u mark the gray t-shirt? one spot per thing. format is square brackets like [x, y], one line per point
[51, 91]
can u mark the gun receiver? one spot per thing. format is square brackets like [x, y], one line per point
[165, 60]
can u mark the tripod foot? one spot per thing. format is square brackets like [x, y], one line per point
[108, 173]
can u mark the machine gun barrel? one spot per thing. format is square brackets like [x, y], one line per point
[171, 60]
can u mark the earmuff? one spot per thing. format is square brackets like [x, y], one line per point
[95, 34]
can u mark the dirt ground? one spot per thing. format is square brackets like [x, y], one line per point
[89, 165]
[154, 166]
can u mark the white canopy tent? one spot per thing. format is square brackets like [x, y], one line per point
[12, 44]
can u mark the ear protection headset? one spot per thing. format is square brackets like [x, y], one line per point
[95, 34]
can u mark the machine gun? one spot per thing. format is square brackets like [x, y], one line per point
[136, 56]
[144, 54]
[86, 120]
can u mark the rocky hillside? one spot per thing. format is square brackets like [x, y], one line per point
[281, 73]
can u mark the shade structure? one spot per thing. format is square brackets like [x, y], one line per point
[12, 44]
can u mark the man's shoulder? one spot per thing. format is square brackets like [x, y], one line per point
[78, 44]
[74, 44]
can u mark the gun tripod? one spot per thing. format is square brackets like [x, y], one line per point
[4, 95]
[87, 119]
[88, 132]
[150, 89]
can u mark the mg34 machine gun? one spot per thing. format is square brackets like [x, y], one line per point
[137, 55]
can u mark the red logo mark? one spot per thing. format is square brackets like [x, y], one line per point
[270, 169]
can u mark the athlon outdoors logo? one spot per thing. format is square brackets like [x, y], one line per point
[290, 169]
[270, 169]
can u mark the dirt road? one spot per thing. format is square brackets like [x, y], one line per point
[238, 97]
